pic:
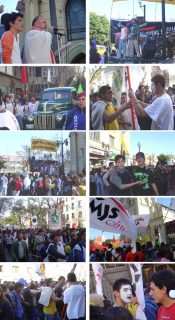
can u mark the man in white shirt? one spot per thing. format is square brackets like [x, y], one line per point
[74, 297]
[33, 105]
[38, 41]
[161, 108]
[7, 119]
[8, 104]
[122, 41]
[3, 185]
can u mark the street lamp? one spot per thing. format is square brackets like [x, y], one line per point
[139, 146]
[61, 143]
[143, 6]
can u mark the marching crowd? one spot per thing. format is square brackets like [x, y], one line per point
[137, 180]
[144, 252]
[68, 245]
[158, 300]
[42, 184]
[44, 300]
[153, 110]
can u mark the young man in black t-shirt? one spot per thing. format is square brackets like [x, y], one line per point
[144, 174]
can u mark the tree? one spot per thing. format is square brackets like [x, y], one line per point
[99, 28]
[163, 158]
[2, 163]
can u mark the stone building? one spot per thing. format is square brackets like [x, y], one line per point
[10, 80]
[74, 212]
[104, 146]
[69, 16]
[78, 151]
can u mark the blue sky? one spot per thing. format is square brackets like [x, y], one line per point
[152, 142]
[9, 5]
[124, 9]
[108, 235]
[13, 141]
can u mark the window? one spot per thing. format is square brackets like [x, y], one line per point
[15, 269]
[1, 268]
[73, 215]
[95, 136]
[75, 19]
[80, 215]
[111, 141]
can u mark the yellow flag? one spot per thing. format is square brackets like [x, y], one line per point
[160, 1]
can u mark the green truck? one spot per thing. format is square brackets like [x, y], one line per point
[52, 110]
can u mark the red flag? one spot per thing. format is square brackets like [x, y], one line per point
[24, 75]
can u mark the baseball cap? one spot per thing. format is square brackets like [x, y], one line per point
[140, 155]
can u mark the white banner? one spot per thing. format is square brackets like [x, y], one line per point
[137, 280]
[142, 220]
[54, 219]
[98, 272]
[111, 216]
[46, 293]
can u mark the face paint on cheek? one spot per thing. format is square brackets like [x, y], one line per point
[153, 88]
[125, 293]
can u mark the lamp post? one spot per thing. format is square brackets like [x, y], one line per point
[53, 20]
[62, 143]
[139, 146]
[143, 6]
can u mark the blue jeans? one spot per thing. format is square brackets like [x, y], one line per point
[54, 316]
[122, 48]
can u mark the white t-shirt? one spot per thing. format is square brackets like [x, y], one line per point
[97, 112]
[9, 106]
[74, 297]
[161, 112]
[123, 33]
[7, 119]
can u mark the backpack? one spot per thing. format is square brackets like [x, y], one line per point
[72, 257]
[18, 185]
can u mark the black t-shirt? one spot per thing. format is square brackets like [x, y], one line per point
[146, 175]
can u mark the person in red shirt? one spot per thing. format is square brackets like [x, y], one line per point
[162, 289]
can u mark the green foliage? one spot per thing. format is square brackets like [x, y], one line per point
[99, 28]
[2, 163]
[163, 158]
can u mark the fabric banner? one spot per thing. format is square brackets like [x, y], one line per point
[137, 280]
[98, 272]
[42, 144]
[142, 220]
[160, 1]
[111, 216]
[54, 219]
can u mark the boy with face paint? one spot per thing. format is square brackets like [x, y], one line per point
[123, 294]
[162, 290]
[161, 108]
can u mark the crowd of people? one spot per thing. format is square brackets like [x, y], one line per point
[144, 253]
[153, 108]
[44, 300]
[14, 110]
[159, 300]
[39, 36]
[42, 184]
[68, 245]
[137, 180]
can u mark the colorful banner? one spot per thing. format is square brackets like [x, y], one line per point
[111, 216]
[98, 272]
[42, 144]
[54, 219]
[142, 220]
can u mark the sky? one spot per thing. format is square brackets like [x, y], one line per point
[108, 235]
[152, 142]
[9, 5]
[124, 9]
[13, 141]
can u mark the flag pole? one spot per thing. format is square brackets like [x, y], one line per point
[110, 29]
[132, 103]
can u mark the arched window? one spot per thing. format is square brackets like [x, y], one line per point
[75, 19]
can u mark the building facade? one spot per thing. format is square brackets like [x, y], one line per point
[74, 212]
[78, 151]
[104, 146]
[10, 80]
[69, 16]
